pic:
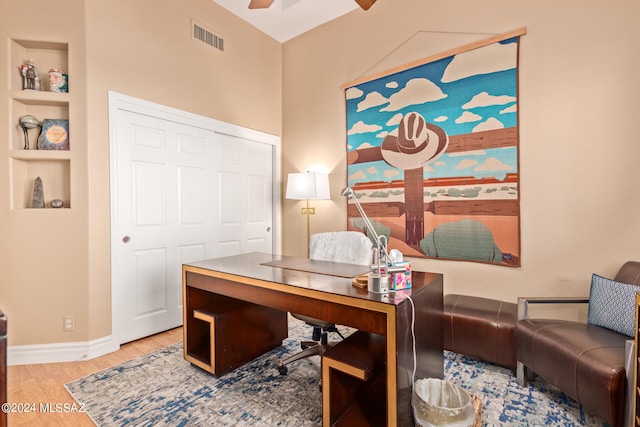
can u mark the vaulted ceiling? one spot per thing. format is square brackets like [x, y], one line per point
[286, 19]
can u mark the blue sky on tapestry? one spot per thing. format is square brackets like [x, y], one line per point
[479, 98]
[469, 101]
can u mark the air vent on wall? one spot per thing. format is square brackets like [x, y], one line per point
[198, 32]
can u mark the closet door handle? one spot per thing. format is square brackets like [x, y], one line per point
[126, 239]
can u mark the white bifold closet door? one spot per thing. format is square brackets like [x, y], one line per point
[180, 193]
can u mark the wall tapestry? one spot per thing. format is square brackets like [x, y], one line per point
[432, 154]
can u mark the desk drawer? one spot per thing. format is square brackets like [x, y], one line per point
[223, 333]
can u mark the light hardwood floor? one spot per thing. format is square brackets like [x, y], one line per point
[44, 383]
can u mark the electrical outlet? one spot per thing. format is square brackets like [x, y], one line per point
[69, 323]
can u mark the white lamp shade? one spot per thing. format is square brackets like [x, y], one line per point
[308, 186]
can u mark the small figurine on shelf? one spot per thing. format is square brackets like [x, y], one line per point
[28, 122]
[57, 81]
[38, 194]
[31, 76]
[57, 203]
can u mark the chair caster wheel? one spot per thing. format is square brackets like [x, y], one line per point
[283, 370]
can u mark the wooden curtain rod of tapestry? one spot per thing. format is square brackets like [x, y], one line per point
[474, 45]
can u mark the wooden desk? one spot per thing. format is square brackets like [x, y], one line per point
[243, 285]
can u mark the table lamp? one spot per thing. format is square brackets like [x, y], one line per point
[379, 280]
[308, 186]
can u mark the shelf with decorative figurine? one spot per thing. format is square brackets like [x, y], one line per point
[39, 150]
[55, 184]
[32, 97]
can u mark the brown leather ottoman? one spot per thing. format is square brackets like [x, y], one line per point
[481, 327]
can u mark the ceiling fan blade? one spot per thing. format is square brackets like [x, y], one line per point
[260, 4]
[365, 4]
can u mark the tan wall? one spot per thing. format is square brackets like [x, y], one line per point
[54, 265]
[146, 51]
[43, 253]
[579, 68]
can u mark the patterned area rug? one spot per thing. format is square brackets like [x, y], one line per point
[162, 389]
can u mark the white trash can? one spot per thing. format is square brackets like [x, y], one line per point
[439, 403]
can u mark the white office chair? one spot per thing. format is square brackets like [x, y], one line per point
[350, 247]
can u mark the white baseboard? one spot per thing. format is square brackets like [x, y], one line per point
[60, 352]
